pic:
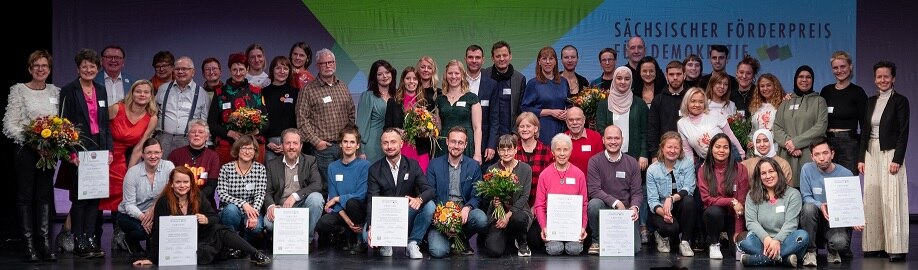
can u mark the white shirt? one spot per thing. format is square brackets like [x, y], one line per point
[621, 121]
[474, 83]
[260, 80]
[393, 168]
[698, 136]
[114, 87]
[721, 108]
[764, 117]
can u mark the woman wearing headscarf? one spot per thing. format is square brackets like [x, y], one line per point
[799, 121]
[764, 147]
[626, 111]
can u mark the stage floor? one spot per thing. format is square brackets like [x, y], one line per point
[328, 258]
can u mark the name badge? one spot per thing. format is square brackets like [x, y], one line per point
[406, 177]
[817, 190]
[794, 107]
[680, 113]
[620, 174]
[288, 100]
[742, 112]
[53, 100]
[734, 188]
[586, 148]
[831, 109]
[506, 91]
[250, 186]
[326, 99]
[296, 178]
[460, 103]
[227, 106]
[779, 209]
[339, 177]
[102, 103]
[203, 175]
[485, 103]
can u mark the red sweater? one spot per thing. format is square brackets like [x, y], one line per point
[740, 187]
[585, 147]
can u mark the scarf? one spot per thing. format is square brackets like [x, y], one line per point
[497, 76]
[770, 136]
[797, 90]
[620, 99]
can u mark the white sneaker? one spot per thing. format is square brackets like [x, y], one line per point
[413, 251]
[685, 249]
[809, 259]
[714, 252]
[662, 243]
[385, 251]
[833, 256]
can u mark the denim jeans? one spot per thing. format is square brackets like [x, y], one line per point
[439, 243]
[795, 243]
[234, 218]
[325, 157]
[817, 227]
[315, 203]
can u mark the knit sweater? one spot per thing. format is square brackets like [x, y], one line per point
[26, 105]
[347, 181]
[776, 220]
[813, 184]
[740, 190]
[613, 180]
[551, 181]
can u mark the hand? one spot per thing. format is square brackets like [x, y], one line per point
[477, 157]
[465, 214]
[738, 207]
[489, 154]
[502, 223]
[634, 214]
[620, 205]
[250, 223]
[75, 161]
[825, 210]
[370, 237]
[289, 202]
[202, 219]
[893, 168]
[415, 203]
[653, 160]
[233, 134]
[797, 153]
[583, 234]
[544, 236]
[249, 211]
[643, 163]
[270, 213]
[276, 148]
[355, 227]
[788, 96]
[143, 262]
[789, 145]
[322, 145]
[110, 157]
[146, 218]
[495, 202]
[858, 228]
[860, 167]
[331, 203]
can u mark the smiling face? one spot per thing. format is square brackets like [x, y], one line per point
[247, 153]
[298, 57]
[769, 175]
[766, 88]
[40, 69]
[693, 69]
[612, 139]
[720, 90]
[506, 154]
[457, 143]
[721, 149]
[575, 120]
[212, 72]
[762, 144]
[292, 146]
[884, 79]
[183, 72]
[181, 184]
[696, 104]
[410, 82]
[473, 60]
[238, 71]
[527, 130]
[281, 72]
[197, 136]
[648, 72]
[548, 64]
[718, 60]
[256, 58]
[607, 62]
[349, 145]
[804, 80]
[112, 60]
[841, 69]
[425, 68]
[672, 149]
[163, 70]
[501, 58]
[744, 76]
[152, 155]
[562, 153]
[383, 77]
[142, 93]
[391, 144]
[87, 70]
[454, 77]
[636, 49]
[622, 81]
[569, 59]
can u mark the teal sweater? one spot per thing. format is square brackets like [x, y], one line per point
[776, 220]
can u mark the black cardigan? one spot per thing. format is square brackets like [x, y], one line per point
[893, 127]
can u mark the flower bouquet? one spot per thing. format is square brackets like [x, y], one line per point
[741, 128]
[419, 123]
[53, 137]
[499, 184]
[448, 220]
[246, 120]
[586, 100]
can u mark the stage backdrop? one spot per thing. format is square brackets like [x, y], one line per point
[782, 34]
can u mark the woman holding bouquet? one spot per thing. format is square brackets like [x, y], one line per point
[546, 95]
[27, 102]
[371, 115]
[557, 179]
[409, 96]
[236, 93]
[516, 219]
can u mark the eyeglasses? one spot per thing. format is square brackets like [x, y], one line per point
[162, 66]
[326, 63]
[183, 69]
[607, 60]
[113, 58]
[247, 149]
[41, 66]
[211, 70]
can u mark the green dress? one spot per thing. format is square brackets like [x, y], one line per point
[457, 114]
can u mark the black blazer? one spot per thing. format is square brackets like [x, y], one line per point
[412, 182]
[893, 127]
[73, 107]
[308, 175]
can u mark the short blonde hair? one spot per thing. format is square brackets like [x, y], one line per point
[528, 117]
[688, 98]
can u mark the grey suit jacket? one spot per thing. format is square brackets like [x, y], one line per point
[308, 177]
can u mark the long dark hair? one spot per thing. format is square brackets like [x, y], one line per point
[757, 191]
[729, 174]
[373, 84]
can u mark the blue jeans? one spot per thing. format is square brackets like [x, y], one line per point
[325, 157]
[439, 243]
[133, 230]
[795, 243]
[234, 218]
[315, 203]
[420, 221]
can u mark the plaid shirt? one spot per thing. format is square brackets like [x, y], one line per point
[322, 110]
[232, 187]
[540, 158]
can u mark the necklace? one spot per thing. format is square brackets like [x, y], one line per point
[561, 174]
[241, 171]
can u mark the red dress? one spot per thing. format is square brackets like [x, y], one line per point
[124, 136]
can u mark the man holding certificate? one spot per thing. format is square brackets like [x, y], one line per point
[452, 177]
[293, 181]
[815, 214]
[399, 176]
[614, 182]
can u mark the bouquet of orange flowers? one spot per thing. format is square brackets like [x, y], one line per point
[246, 120]
[448, 220]
[53, 137]
[741, 128]
[419, 124]
[498, 184]
[586, 100]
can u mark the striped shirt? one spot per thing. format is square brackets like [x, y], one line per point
[237, 189]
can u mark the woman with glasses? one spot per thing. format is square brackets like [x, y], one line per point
[235, 94]
[242, 186]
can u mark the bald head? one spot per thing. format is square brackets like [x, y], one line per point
[612, 140]
[636, 51]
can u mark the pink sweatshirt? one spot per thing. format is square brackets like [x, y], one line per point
[553, 182]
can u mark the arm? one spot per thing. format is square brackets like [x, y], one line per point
[15, 118]
[394, 115]
[805, 138]
[653, 178]
[304, 116]
[594, 184]
[685, 177]
[129, 193]
[223, 187]
[373, 189]
[581, 184]
[426, 192]
[687, 150]
[530, 101]
[540, 205]
[603, 116]
[138, 148]
[363, 117]
[752, 220]
[333, 189]
[431, 179]
[270, 189]
[476, 127]
[806, 188]
[113, 110]
[473, 196]
[359, 193]
[706, 197]
[260, 189]
[742, 191]
[494, 113]
[778, 126]
[521, 198]
[792, 214]
[215, 119]
[203, 109]
[739, 147]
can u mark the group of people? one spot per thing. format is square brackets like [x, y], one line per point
[660, 146]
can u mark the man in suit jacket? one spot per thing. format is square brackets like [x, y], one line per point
[482, 85]
[294, 181]
[116, 83]
[399, 176]
[507, 92]
[453, 178]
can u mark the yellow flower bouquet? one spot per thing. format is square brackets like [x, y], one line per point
[53, 137]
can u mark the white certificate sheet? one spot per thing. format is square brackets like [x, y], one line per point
[616, 233]
[390, 221]
[845, 204]
[291, 231]
[564, 217]
[92, 175]
[178, 240]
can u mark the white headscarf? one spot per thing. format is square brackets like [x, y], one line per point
[620, 99]
[770, 136]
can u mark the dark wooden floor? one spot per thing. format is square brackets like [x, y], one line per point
[10, 258]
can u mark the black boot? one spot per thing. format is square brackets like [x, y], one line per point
[81, 246]
[25, 224]
[44, 232]
[95, 247]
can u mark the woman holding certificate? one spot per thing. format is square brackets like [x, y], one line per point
[561, 178]
[772, 213]
[884, 137]
[179, 198]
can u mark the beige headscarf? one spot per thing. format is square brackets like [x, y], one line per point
[620, 99]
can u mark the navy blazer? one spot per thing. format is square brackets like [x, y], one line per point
[438, 178]
[127, 81]
[73, 107]
[485, 91]
[412, 182]
[517, 87]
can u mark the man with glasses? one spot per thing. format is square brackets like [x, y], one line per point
[323, 108]
[179, 102]
[607, 58]
[117, 84]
